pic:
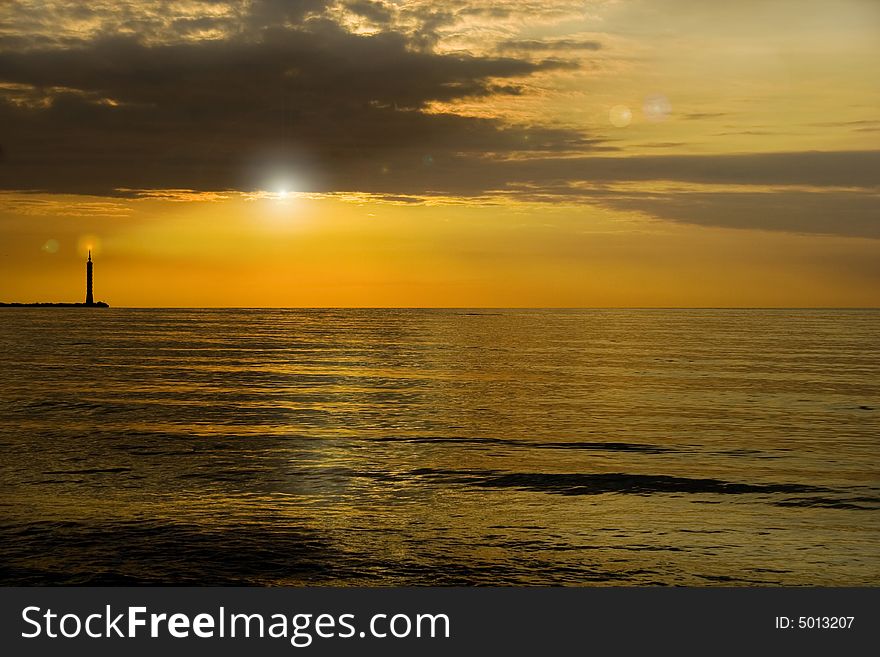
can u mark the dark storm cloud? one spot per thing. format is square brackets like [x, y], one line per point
[119, 113]
[812, 168]
[325, 65]
[853, 214]
[823, 193]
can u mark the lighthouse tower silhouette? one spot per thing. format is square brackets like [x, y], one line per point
[90, 301]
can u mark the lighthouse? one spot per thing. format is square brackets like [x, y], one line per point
[90, 301]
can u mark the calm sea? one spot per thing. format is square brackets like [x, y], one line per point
[388, 447]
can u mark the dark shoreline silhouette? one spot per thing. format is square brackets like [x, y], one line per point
[46, 304]
[89, 302]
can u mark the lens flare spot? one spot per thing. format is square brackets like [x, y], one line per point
[51, 246]
[657, 108]
[620, 116]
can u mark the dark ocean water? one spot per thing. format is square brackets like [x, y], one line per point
[387, 447]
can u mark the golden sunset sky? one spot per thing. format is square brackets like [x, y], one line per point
[458, 153]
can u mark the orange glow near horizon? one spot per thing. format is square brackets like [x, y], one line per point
[325, 251]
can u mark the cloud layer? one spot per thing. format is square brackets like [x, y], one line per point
[115, 112]
[341, 96]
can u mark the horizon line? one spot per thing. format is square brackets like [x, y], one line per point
[708, 307]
